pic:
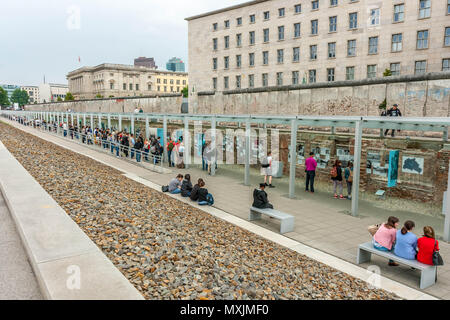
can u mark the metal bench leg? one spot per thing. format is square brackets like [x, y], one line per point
[427, 278]
[363, 256]
[254, 216]
[287, 225]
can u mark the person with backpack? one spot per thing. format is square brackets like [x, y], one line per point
[170, 147]
[393, 112]
[267, 168]
[138, 147]
[186, 186]
[336, 177]
[348, 175]
[310, 168]
[194, 192]
[260, 199]
[204, 197]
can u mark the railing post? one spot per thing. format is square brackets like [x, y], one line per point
[213, 146]
[164, 139]
[187, 143]
[356, 168]
[247, 153]
[293, 164]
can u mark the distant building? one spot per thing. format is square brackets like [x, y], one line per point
[50, 92]
[9, 88]
[145, 62]
[117, 80]
[175, 65]
[33, 93]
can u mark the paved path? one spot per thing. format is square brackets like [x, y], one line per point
[320, 221]
[17, 280]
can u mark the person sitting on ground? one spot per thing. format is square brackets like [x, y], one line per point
[406, 242]
[427, 245]
[186, 186]
[204, 197]
[384, 238]
[194, 192]
[260, 199]
[175, 184]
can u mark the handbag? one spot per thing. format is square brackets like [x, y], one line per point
[373, 229]
[437, 259]
[165, 188]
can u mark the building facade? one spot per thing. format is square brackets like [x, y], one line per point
[50, 92]
[145, 62]
[114, 80]
[292, 42]
[9, 88]
[175, 65]
[33, 93]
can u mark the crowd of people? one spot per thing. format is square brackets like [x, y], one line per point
[182, 185]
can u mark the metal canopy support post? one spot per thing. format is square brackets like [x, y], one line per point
[356, 168]
[293, 163]
[92, 121]
[99, 120]
[120, 122]
[247, 153]
[84, 119]
[78, 119]
[147, 128]
[71, 118]
[213, 146]
[109, 121]
[164, 138]
[186, 141]
[445, 134]
[447, 211]
[132, 125]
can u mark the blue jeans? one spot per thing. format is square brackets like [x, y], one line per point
[209, 201]
[176, 191]
[379, 247]
[132, 153]
[117, 150]
[138, 156]
[187, 195]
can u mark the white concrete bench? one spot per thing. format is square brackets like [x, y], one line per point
[428, 273]
[287, 221]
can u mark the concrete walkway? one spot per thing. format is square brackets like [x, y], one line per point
[320, 221]
[17, 280]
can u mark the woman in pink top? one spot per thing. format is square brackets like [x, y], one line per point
[384, 239]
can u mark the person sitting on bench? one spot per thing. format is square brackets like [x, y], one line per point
[384, 239]
[427, 245]
[406, 242]
[260, 199]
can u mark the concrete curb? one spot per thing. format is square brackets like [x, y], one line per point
[66, 262]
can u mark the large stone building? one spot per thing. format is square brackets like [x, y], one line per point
[33, 93]
[145, 62]
[115, 80]
[266, 43]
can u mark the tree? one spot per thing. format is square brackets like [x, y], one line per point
[69, 97]
[185, 91]
[99, 96]
[20, 97]
[387, 73]
[4, 101]
[59, 99]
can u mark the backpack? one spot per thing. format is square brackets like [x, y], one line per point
[165, 188]
[171, 146]
[350, 177]
[265, 163]
[333, 172]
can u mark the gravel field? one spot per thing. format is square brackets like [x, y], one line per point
[166, 248]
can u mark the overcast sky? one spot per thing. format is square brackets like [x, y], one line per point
[46, 37]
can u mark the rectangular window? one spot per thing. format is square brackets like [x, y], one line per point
[251, 80]
[111, 86]
[296, 54]
[420, 67]
[424, 9]
[238, 82]
[251, 59]
[226, 62]
[266, 15]
[332, 50]
[353, 20]
[215, 26]
[298, 8]
[279, 78]
[227, 24]
[252, 18]
[225, 82]
[251, 36]
[422, 39]
[130, 86]
[137, 87]
[351, 48]
[295, 77]
[215, 43]
[397, 40]
[281, 33]
[214, 63]
[280, 55]
[314, 26]
[350, 73]
[395, 69]
[448, 6]
[238, 40]
[373, 45]
[227, 41]
[330, 74]
[265, 57]
[159, 88]
[296, 30]
[312, 76]
[333, 3]
[333, 24]
[446, 64]
[281, 12]
[313, 52]
[447, 36]
[315, 5]
[399, 12]
[238, 61]
[265, 79]
[266, 35]
[149, 87]
[375, 17]
[239, 21]
[372, 71]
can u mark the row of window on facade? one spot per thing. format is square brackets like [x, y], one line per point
[171, 81]
[422, 37]
[420, 67]
[149, 87]
[398, 13]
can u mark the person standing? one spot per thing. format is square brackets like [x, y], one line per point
[336, 177]
[170, 146]
[348, 174]
[310, 167]
[393, 112]
[267, 166]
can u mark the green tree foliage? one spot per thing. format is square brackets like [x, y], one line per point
[20, 97]
[69, 97]
[99, 96]
[185, 91]
[59, 99]
[383, 105]
[387, 73]
[4, 101]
